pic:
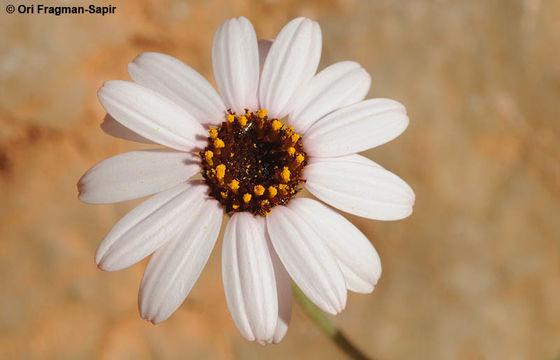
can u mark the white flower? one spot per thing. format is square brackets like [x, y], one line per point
[252, 166]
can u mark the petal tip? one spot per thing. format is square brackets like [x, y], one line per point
[341, 306]
[149, 320]
[106, 262]
[144, 314]
[81, 190]
[264, 342]
[102, 264]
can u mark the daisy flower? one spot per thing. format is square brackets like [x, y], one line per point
[274, 128]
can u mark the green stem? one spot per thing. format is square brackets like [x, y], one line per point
[326, 325]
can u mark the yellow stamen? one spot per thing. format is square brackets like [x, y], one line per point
[265, 203]
[208, 155]
[230, 118]
[234, 185]
[276, 125]
[235, 206]
[282, 188]
[262, 113]
[213, 133]
[224, 194]
[285, 174]
[295, 138]
[218, 143]
[242, 120]
[272, 191]
[220, 171]
[300, 158]
[247, 197]
[259, 190]
[292, 151]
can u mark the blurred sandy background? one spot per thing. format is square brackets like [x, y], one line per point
[473, 274]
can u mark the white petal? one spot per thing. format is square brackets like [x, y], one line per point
[235, 58]
[149, 225]
[264, 48]
[291, 62]
[356, 128]
[114, 128]
[180, 83]
[338, 85]
[284, 292]
[356, 257]
[151, 115]
[174, 268]
[359, 186]
[248, 276]
[136, 174]
[307, 259]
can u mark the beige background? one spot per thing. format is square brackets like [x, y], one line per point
[474, 273]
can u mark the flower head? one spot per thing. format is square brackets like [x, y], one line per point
[274, 128]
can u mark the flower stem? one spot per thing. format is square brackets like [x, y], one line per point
[326, 325]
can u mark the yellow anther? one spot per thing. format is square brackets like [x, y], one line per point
[213, 133]
[259, 190]
[234, 185]
[292, 151]
[262, 113]
[230, 118]
[220, 171]
[300, 158]
[285, 174]
[283, 188]
[272, 191]
[265, 203]
[218, 143]
[235, 206]
[208, 155]
[224, 194]
[295, 138]
[276, 125]
[231, 154]
[290, 130]
[246, 198]
[242, 120]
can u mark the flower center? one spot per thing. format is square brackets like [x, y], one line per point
[253, 163]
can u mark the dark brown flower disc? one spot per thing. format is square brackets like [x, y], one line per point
[253, 163]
